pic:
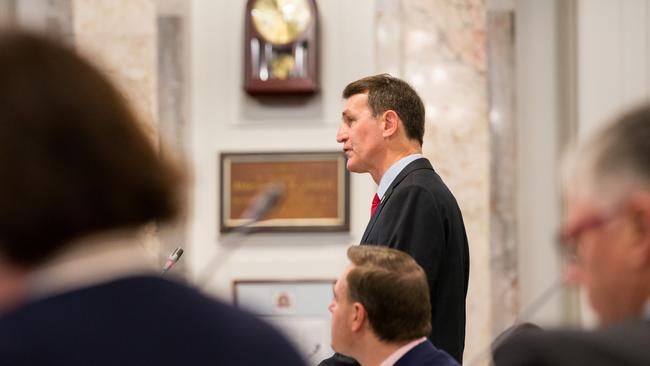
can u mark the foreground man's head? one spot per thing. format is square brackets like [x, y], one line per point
[380, 305]
[607, 227]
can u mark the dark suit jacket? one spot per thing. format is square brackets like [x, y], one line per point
[138, 321]
[420, 216]
[624, 344]
[425, 354]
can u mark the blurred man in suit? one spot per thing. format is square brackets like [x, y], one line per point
[606, 243]
[79, 180]
[382, 131]
[381, 312]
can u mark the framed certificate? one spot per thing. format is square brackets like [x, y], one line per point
[315, 185]
[297, 307]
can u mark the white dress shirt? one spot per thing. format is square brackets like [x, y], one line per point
[395, 356]
[392, 173]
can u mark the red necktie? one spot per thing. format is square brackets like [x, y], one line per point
[375, 203]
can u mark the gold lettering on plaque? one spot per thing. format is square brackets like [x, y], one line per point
[312, 188]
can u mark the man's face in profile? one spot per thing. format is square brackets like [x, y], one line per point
[342, 311]
[360, 133]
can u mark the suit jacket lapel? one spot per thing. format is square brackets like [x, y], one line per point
[413, 166]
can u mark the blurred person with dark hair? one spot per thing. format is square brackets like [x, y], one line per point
[382, 131]
[606, 247]
[78, 182]
[381, 314]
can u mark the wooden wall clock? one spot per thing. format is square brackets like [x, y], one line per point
[281, 47]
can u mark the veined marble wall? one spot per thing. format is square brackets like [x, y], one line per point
[7, 12]
[120, 35]
[140, 44]
[173, 110]
[122, 38]
[53, 17]
[440, 47]
[503, 166]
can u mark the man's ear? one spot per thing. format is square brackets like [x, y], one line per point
[390, 123]
[359, 316]
[639, 206]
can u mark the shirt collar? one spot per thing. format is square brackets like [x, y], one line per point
[646, 310]
[395, 356]
[90, 261]
[392, 173]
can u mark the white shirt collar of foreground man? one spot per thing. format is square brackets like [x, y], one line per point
[395, 356]
[392, 173]
[99, 259]
[646, 310]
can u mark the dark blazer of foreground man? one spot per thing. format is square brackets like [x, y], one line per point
[606, 244]
[382, 132]
[78, 181]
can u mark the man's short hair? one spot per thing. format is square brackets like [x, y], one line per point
[390, 93]
[393, 289]
[73, 158]
[617, 157]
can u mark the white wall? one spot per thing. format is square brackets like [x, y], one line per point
[613, 45]
[224, 118]
[538, 111]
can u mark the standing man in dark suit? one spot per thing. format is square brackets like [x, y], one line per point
[80, 180]
[606, 246]
[381, 313]
[413, 211]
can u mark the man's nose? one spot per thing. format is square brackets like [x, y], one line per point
[342, 134]
[330, 306]
[572, 276]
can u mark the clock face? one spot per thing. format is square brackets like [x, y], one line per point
[281, 21]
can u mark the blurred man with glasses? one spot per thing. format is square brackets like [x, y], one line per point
[606, 246]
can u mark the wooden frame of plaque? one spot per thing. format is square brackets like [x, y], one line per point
[316, 189]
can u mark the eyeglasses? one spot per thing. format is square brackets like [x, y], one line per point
[569, 240]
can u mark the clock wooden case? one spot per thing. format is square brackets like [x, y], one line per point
[281, 47]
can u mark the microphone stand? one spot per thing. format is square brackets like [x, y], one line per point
[527, 313]
[230, 242]
[268, 199]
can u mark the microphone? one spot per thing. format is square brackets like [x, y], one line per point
[262, 204]
[314, 351]
[172, 259]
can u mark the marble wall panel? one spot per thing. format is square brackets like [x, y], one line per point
[53, 17]
[137, 43]
[442, 53]
[172, 113]
[388, 33]
[7, 12]
[120, 35]
[503, 163]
